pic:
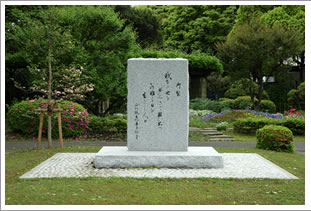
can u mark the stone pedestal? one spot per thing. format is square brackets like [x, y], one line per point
[158, 120]
[195, 157]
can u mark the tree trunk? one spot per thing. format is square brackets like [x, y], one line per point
[260, 91]
[49, 97]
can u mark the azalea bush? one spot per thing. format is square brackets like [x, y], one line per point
[292, 113]
[276, 138]
[23, 118]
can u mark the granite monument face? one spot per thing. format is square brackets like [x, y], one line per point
[158, 120]
[158, 102]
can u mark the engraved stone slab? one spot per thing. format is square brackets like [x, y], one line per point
[157, 107]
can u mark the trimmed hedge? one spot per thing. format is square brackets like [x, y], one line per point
[250, 125]
[99, 125]
[23, 118]
[276, 138]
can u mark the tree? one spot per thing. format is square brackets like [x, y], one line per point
[190, 28]
[216, 82]
[255, 50]
[292, 17]
[48, 52]
[144, 22]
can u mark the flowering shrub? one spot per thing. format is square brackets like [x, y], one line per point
[199, 113]
[292, 113]
[275, 138]
[222, 126]
[232, 115]
[23, 118]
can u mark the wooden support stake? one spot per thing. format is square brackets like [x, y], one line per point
[60, 127]
[40, 130]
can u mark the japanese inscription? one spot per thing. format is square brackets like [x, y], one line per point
[157, 107]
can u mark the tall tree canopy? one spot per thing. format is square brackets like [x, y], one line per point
[144, 22]
[255, 50]
[191, 28]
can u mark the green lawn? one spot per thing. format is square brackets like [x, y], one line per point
[252, 137]
[116, 190]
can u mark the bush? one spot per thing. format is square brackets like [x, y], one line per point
[242, 88]
[23, 118]
[222, 126]
[243, 102]
[277, 138]
[228, 102]
[99, 125]
[296, 97]
[206, 104]
[267, 106]
[250, 125]
[297, 126]
[198, 113]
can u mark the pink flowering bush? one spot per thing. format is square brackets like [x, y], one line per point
[23, 118]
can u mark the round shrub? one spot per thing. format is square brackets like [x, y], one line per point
[267, 106]
[23, 118]
[243, 102]
[228, 102]
[276, 138]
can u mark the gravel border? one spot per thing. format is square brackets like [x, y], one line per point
[236, 165]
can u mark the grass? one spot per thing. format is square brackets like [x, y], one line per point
[198, 122]
[252, 137]
[115, 190]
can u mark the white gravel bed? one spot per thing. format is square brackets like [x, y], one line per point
[236, 165]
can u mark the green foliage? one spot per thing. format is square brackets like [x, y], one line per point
[296, 125]
[296, 97]
[250, 125]
[197, 61]
[197, 27]
[23, 118]
[222, 126]
[244, 87]
[267, 106]
[243, 102]
[216, 83]
[276, 138]
[99, 125]
[145, 23]
[255, 50]
[207, 104]
[228, 102]
[105, 44]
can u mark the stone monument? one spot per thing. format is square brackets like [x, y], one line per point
[158, 120]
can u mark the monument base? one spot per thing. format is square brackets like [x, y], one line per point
[195, 157]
